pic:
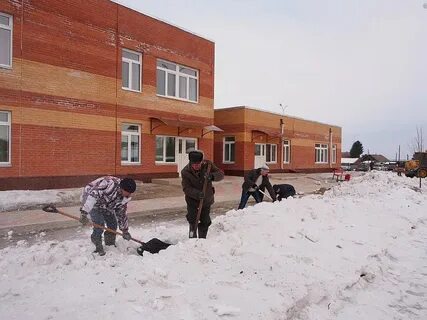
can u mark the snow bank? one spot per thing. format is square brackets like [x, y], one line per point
[22, 199]
[358, 252]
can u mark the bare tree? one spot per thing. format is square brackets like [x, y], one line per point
[418, 142]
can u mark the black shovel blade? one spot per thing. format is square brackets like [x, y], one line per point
[153, 246]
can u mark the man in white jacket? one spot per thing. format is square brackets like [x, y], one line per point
[105, 199]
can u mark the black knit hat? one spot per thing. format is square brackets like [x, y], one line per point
[195, 156]
[128, 185]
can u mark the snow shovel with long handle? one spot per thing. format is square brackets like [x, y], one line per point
[152, 246]
[268, 196]
[194, 232]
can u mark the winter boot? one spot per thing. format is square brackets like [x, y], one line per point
[192, 232]
[109, 239]
[203, 231]
[98, 245]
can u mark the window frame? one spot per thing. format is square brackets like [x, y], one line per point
[129, 134]
[228, 144]
[287, 145]
[268, 146]
[334, 154]
[130, 62]
[164, 150]
[9, 27]
[323, 151]
[178, 74]
[8, 123]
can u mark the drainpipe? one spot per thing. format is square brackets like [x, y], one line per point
[282, 139]
[330, 147]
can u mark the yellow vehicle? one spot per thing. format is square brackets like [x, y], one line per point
[417, 167]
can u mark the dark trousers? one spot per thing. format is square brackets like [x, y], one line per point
[245, 197]
[100, 217]
[204, 222]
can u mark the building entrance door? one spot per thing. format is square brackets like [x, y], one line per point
[259, 155]
[182, 147]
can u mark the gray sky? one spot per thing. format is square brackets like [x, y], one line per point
[359, 64]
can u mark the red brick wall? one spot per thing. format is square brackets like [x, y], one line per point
[67, 43]
[251, 126]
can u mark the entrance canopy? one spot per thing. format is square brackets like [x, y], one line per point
[182, 124]
[270, 133]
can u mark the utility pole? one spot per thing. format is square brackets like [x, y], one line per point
[399, 154]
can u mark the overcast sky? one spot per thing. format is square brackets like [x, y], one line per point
[359, 64]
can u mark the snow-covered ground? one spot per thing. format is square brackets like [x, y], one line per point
[23, 199]
[357, 252]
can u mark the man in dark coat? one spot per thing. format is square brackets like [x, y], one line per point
[283, 191]
[193, 176]
[255, 180]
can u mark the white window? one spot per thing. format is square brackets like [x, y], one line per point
[334, 153]
[271, 153]
[321, 151]
[165, 149]
[176, 81]
[131, 146]
[6, 33]
[5, 133]
[229, 149]
[131, 70]
[286, 151]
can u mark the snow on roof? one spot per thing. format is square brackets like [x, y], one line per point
[349, 160]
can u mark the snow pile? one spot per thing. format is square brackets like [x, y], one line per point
[22, 199]
[358, 252]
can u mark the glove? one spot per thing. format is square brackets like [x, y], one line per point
[201, 195]
[83, 217]
[126, 235]
[209, 177]
[255, 186]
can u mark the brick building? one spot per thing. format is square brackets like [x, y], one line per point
[253, 137]
[89, 88]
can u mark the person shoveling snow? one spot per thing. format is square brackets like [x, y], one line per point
[105, 200]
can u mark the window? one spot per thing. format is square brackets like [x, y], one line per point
[190, 144]
[286, 151]
[131, 137]
[229, 149]
[259, 149]
[6, 28]
[321, 151]
[271, 153]
[174, 80]
[334, 153]
[165, 149]
[131, 70]
[5, 132]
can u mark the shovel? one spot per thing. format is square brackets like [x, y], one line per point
[152, 246]
[268, 196]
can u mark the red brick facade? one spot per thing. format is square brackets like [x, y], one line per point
[64, 92]
[249, 126]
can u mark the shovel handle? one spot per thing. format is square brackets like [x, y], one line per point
[52, 209]
[265, 194]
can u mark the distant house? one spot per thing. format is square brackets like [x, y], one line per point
[372, 157]
[349, 163]
[346, 154]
